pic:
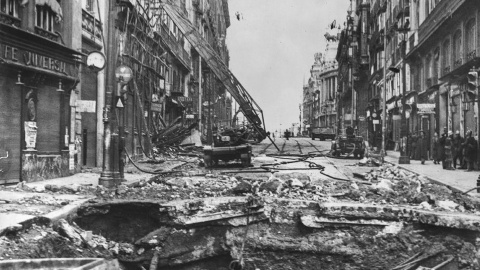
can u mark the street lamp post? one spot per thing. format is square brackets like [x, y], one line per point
[111, 175]
[384, 91]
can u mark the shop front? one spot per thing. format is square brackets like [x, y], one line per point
[37, 77]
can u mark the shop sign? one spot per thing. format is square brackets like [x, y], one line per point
[426, 108]
[361, 118]
[71, 156]
[397, 117]
[30, 134]
[86, 106]
[390, 106]
[29, 58]
[185, 99]
[156, 107]
[190, 116]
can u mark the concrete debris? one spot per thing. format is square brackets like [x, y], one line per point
[447, 205]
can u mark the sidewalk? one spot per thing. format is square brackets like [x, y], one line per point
[458, 179]
[18, 209]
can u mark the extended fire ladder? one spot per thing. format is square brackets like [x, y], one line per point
[248, 106]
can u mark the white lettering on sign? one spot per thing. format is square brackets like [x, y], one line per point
[86, 106]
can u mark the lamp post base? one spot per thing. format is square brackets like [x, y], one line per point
[110, 179]
[404, 160]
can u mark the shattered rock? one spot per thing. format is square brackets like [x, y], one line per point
[242, 188]
[447, 205]
[273, 186]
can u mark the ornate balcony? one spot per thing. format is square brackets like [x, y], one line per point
[46, 34]
[10, 20]
[471, 55]
[175, 47]
[458, 62]
[446, 70]
[92, 28]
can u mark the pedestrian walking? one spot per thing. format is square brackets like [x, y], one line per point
[457, 149]
[447, 162]
[470, 146]
[422, 147]
[414, 147]
[435, 149]
[442, 141]
[287, 134]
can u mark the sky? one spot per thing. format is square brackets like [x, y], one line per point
[272, 49]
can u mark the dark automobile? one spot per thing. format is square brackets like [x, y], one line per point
[349, 144]
[323, 133]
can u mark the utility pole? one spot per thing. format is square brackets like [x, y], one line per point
[111, 175]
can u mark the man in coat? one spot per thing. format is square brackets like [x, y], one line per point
[470, 146]
[422, 147]
[442, 141]
[457, 149]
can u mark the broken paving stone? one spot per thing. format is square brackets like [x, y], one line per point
[289, 176]
[122, 189]
[53, 188]
[274, 186]
[420, 197]
[180, 182]
[294, 182]
[426, 206]
[242, 188]
[447, 205]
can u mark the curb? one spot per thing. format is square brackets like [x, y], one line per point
[430, 179]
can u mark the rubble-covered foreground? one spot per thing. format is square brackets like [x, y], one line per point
[287, 220]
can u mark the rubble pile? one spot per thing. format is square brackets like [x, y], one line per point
[394, 185]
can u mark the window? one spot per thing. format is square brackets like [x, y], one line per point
[9, 7]
[446, 56]
[44, 17]
[89, 5]
[457, 48]
[470, 39]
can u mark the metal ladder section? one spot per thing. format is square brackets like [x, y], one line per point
[248, 106]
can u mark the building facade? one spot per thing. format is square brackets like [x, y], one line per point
[54, 106]
[442, 49]
[39, 75]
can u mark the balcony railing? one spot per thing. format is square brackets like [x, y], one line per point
[472, 54]
[46, 34]
[175, 46]
[458, 62]
[92, 26]
[11, 20]
[429, 82]
[446, 70]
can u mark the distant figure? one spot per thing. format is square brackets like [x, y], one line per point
[447, 163]
[287, 134]
[442, 142]
[422, 147]
[435, 149]
[470, 146]
[457, 149]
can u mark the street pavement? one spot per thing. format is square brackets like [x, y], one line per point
[458, 179]
[12, 218]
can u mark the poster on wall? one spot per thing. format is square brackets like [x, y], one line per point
[30, 134]
[71, 156]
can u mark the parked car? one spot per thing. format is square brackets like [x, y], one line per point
[323, 133]
[349, 145]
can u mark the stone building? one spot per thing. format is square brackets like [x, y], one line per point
[53, 104]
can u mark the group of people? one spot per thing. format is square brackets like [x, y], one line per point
[449, 150]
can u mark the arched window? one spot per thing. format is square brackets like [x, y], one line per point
[470, 39]
[446, 56]
[457, 48]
